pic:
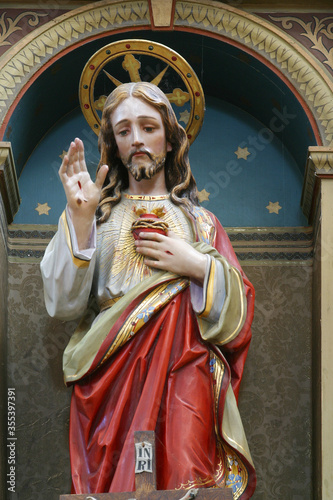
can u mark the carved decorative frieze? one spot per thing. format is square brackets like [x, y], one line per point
[19, 64]
[161, 13]
[319, 164]
[253, 246]
[302, 70]
[304, 73]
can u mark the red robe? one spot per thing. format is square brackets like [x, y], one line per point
[164, 378]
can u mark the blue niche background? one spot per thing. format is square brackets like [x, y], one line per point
[239, 187]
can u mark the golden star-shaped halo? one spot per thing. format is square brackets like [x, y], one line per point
[43, 208]
[130, 51]
[273, 208]
[63, 154]
[242, 153]
[203, 195]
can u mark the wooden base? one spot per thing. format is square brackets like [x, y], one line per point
[145, 481]
[203, 494]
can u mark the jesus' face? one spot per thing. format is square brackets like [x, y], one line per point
[140, 136]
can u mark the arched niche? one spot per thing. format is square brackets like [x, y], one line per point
[240, 59]
[248, 63]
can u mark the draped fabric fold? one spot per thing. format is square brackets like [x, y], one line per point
[150, 363]
[164, 389]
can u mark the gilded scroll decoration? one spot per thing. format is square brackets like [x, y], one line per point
[318, 31]
[57, 36]
[294, 63]
[247, 30]
[8, 25]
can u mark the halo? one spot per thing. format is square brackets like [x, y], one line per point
[142, 60]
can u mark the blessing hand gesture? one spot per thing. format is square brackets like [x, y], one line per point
[82, 193]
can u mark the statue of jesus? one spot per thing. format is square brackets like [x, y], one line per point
[166, 309]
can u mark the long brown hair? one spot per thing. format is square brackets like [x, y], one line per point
[178, 176]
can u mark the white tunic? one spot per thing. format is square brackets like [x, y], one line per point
[111, 266]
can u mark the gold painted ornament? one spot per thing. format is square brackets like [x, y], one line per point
[136, 60]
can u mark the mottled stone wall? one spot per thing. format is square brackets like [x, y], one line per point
[3, 344]
[317, 370]
[35, 345]
[275, 399]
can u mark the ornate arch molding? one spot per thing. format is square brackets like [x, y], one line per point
[21, 65]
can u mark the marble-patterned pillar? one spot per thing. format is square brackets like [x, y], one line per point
[3, 343]
[9, 202]
[318, 206]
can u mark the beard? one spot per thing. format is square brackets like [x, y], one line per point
[144, 167]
